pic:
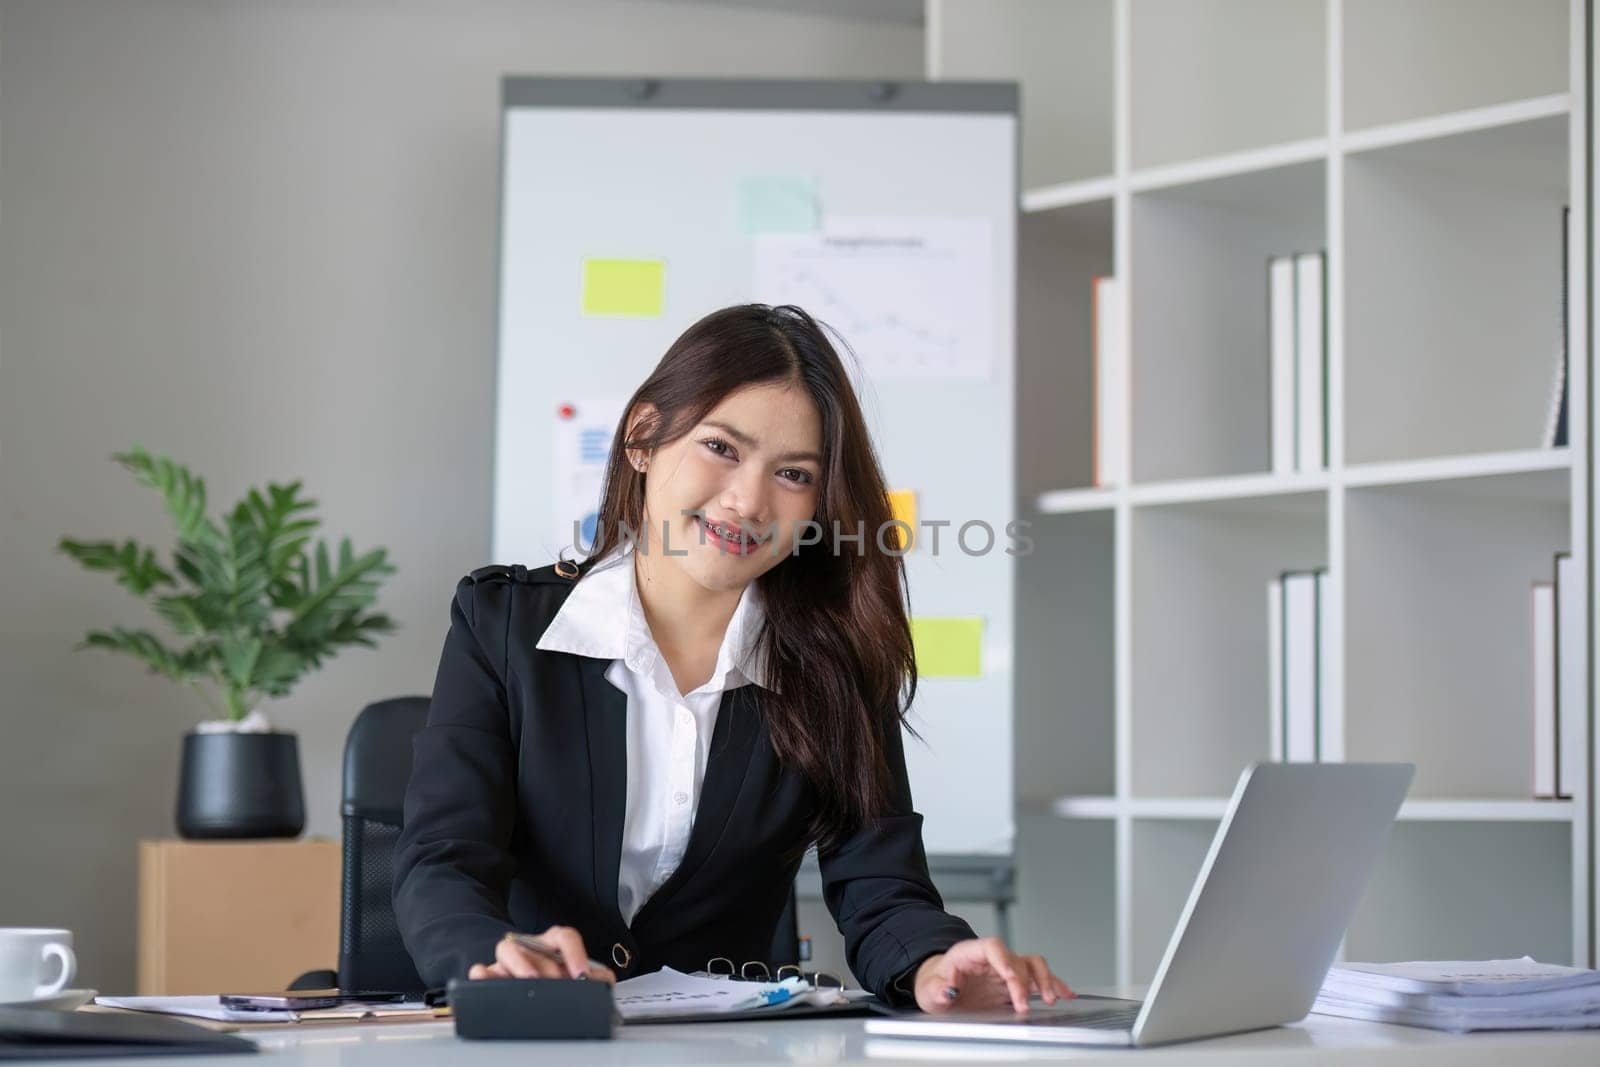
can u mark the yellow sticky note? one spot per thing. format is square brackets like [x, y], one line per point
[903, 505]
[631, 287]
[948, 647]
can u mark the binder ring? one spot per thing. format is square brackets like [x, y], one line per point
[757, 971]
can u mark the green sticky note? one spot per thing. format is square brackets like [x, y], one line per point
[778, 203]
[631, 287]
[948, 647]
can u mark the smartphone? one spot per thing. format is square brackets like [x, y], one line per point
[296, 1000]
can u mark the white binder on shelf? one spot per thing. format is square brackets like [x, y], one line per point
[1281, 368]
[1295, 666]
[1111, 430]
[1544, 690]
[1275, 668]
[1571, 689]
[1310, 360]
[1330, 741]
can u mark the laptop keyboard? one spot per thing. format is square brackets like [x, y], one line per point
[1110, 1019]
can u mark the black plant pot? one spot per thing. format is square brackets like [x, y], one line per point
[240, 785]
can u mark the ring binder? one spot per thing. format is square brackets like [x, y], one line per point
[742, 973]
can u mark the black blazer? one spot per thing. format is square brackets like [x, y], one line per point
[513, 818]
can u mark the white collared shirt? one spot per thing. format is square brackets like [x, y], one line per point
[668, 733]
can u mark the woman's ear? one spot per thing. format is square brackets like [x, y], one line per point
[641, 420]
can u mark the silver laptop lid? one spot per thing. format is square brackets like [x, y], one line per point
[1278, 887]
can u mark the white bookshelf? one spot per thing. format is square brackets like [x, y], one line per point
[1428, 146]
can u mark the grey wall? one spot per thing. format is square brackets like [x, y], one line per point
[261, 237]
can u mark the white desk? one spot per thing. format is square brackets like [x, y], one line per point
[1318, 1041]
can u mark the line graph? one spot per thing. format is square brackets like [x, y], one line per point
[912, 296]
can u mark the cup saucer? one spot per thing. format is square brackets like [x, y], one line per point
[66, 1000]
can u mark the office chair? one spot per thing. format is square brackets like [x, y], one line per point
[377, 765]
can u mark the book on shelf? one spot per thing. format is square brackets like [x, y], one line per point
[1555, 421]
[1570, 683]
[1559, 693]
[1280, 348]
[1111, 429]
[1298, 638]
[1310, 356]
[1544, 690]
[1297, 352]
[1330, 732]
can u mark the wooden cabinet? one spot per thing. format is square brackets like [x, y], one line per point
[235, 916]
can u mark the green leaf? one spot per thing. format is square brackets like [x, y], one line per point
[261, 604]
[142, 646]
[137, 570]
[183, 493]
[352, 586]
[239, 655]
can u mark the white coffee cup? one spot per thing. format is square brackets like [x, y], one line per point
[34, 962]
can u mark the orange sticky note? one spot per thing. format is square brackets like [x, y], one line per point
[903, 506]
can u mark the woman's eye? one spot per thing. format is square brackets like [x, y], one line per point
[789, 474]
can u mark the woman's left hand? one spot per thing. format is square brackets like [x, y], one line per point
[983, 973]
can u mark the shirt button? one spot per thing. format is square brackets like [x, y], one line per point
[680, 797]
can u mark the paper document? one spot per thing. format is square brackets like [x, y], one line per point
[1477, 977]
[670, 994]
[912, 296]
[210, 1007]
[584, 427]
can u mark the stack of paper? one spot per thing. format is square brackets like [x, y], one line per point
[1465, 995]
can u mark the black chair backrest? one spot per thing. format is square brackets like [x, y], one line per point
[377, 765]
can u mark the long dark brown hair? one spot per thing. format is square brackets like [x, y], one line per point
[837, 639]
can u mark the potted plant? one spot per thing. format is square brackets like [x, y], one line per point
[258, 611]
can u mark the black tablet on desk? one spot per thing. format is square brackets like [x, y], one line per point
[39, 1034]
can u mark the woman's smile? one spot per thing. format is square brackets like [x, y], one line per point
[729, 538]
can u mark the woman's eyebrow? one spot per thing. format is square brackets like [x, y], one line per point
[744, 440]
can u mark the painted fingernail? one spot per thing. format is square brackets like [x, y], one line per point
[951, 992]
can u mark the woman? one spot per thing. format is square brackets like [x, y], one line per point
[631, 754]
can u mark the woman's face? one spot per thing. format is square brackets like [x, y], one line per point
[752, 466]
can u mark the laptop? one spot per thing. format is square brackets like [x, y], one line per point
[1261, 927]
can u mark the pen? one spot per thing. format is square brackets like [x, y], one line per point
[549, 952]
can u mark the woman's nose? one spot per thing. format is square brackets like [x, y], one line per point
[746, 496]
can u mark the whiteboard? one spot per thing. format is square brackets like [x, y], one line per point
[598, 169]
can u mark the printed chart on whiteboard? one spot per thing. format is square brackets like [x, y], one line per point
[584, 427]
[911, 295]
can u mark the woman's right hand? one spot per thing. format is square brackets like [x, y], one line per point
[512, 960]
